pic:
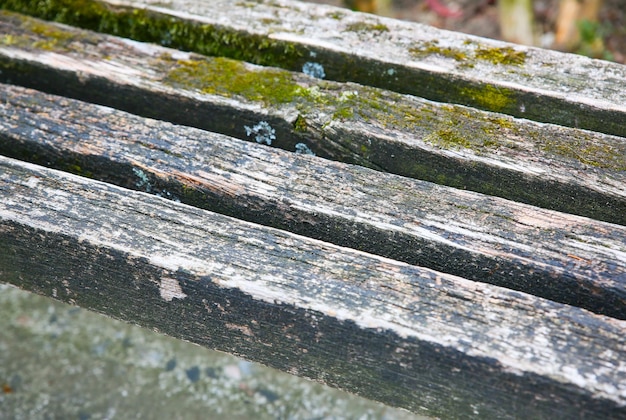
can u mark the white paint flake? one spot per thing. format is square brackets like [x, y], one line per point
[170, 289]
[32, 182]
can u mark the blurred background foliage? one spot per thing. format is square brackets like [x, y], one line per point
[595, 28]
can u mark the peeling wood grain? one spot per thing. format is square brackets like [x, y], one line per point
[563, 169]
[407, 336]
[406, 57]
[557, 256]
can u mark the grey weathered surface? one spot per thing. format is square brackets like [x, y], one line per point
[407, 57]
[561, 257]
[410, 337]
[560, 168]
[70, 364]
[379, 327]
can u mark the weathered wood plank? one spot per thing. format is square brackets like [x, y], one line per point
[404, 335]
[406, 57]
[561, 257]
[563, 169]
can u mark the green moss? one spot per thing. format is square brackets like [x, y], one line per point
[55, 37]
[501, 122]
[43, 29]
[37, 34]
[9, 39]
[247, 4]
[367, 27]
[344, 112]
[147, 26]
[505, 55]
[336, 15]
[448, 138]
[270, 21]
[594, 152]
[226, 77]
[300, 124]
[423, 49]
[456, 127]
[488, 97]
[346, 104]
[75, 168]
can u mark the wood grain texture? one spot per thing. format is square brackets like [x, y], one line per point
[559, 168]
[322, 305]
[406, 57]
[407, 336]
[561, 257]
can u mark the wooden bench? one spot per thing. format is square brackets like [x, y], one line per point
[359, 267]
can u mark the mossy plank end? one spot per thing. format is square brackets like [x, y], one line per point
[557, 256]
[406, 336]
[555, 167]
[406, 57]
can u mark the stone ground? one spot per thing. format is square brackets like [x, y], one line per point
[62, 362]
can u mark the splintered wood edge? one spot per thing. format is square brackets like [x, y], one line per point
[561, 257]
[445, 66]
[399, 334]
[563, 169]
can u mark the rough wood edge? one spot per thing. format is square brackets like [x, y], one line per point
[564, 258]
[562, 169]
[532, 83]
[399, 334]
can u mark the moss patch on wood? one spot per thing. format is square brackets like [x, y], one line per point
[489, 97]
[427, 48]
[447, 127]
[450, 127]
[38, 35]
[367, 27]
[322, 102]
[505, 56]
[471, 54]
[300, 124]
[589, 151]
[142, 25]
[226, 77]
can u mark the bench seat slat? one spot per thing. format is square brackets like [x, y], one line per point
[565, 258]
[407, 57]
[563, 169]
[410, 337]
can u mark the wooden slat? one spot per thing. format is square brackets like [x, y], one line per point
[406, 57]
[565, 258]
[407, 336]
[563, 169]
